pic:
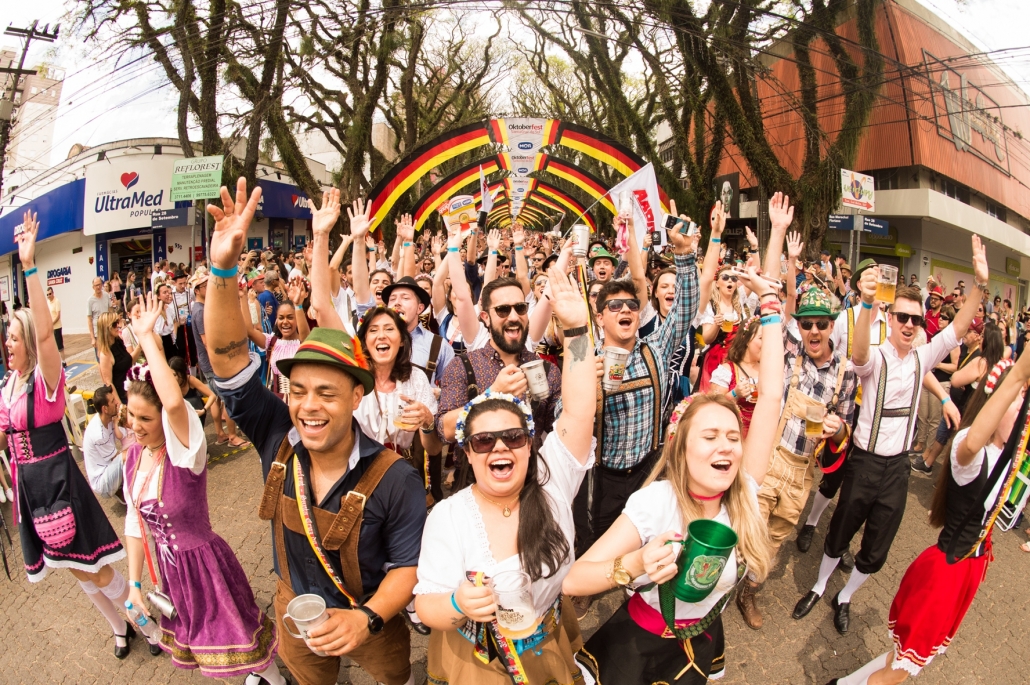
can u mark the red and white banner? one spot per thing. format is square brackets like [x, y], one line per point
[642, 187]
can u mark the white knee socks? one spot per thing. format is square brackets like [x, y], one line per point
[819, 505]
[861, 676]
[117, 590]
[854, 582]
[826, 567]
[270, 674]
[105, 607]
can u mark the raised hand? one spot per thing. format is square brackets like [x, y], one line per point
[298, 291]
[566, 300]
[794, 245]
[27, 239]
[681, 244]
[405, 228]
[518, 233]
[752, 239]
[358, 213]
[437, 245]
[781, 214]
[149, 312]
[717, 219]
[232, 220]
[325, 217]
[980, 270]
[493, 239]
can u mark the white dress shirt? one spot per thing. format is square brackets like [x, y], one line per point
[839, 337]
[901, 374]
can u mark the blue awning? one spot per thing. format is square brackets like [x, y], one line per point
[59, 211]
[283, 201]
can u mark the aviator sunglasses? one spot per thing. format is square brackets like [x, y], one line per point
[504, 310]
[903, 318]
[616, 304]
[806, 325]
[513, 438]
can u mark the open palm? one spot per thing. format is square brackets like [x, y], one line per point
[567, 301]
[232, 220]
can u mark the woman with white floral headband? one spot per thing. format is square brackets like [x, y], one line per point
[707, 481]
[515, 523]
[217, 627]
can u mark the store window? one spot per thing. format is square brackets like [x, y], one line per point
[954, 190]
[997, 211]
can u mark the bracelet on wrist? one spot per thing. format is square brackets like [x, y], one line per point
[225, 273]
[452, 249]
[771, 319]
[866, 305]
[407, 244]
[31, 271]
[518, 248]
[136, 584]
[715, 240]
[493, 252]
[454, 603]
[573, 332]
[945, 400]
[768, 295]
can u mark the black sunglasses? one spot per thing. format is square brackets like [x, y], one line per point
[616, 304]
[504, 310]
[513, 438]
[806, 325]
[903, 318]
[727, 277]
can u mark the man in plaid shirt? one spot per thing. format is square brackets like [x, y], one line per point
[630, 421]
[821, 378]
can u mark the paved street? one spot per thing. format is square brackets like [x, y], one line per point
[51, 633]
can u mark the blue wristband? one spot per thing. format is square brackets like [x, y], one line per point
[518, 248]
[454, 604]
[136, 584]
[715, 240]
[452, 249]
[225, 273]
[945, 400]
[407, 244]
[771, 318]
[493, 252]
[29, 272]
[866, 306]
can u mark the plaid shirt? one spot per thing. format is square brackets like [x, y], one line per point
[628, 424]
[817, 383]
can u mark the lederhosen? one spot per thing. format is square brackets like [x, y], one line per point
[416, 454]
[605, 490]
[341, 534]
[875, 488]
[831, 481]
[785, 489]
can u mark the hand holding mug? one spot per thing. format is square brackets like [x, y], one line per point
[660, 558]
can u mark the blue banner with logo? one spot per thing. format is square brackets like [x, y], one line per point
[101, 262]
[59, 211]
[283, 201]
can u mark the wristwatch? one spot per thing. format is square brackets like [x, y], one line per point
[619, 573]
[375, 621]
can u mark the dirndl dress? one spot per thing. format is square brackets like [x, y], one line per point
[219, 627]
[60, 521]
[932, 600]
[713, 357]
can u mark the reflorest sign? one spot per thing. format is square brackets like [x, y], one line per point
[123, 191]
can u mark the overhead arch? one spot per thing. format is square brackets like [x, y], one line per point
[450, 185]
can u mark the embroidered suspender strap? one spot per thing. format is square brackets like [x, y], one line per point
[345, 530]
[842, 367]
[883, 331]
[852, 317]
[308, 523]
[880, 413]
[471, 388]
[434, 356]
[795, 378]
[274, 482]
[656, 389]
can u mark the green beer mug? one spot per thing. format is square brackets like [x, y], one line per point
[702, 559]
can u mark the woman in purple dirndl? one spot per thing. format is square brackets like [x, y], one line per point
[218, 627]
[60, 522]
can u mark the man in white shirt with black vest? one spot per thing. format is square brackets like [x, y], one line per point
[875, 487]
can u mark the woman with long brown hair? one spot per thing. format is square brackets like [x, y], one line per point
[706, 471]
[738, 376]
[939, 586]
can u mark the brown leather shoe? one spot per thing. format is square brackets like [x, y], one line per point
[748, 607]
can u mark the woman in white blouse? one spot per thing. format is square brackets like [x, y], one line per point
[402, 400]
[218, 626]
[516, 518]
[707, 471]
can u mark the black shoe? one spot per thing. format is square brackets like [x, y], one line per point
[155, 650]
[847, 562]
[130, 634]
[832, 682]
[805, 536]
[804, 605]
[841, 615]
[920, 466]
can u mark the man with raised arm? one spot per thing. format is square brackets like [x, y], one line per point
[319, 469]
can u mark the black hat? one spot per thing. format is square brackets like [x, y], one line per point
[408, 282]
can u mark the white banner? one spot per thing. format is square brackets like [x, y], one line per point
[517, 190]
[123, 191]
[647, 206]
[525, 137]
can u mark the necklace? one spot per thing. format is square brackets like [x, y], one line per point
[702, 498]
[505, 508]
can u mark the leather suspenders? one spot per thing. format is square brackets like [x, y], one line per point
[910, 411]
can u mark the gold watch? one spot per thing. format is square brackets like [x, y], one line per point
[619, 573]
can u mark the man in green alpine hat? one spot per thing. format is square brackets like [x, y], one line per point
[821, 386]
[347, 514]
[602, 263]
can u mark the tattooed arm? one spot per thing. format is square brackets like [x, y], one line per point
[223, 319]
[576, 423]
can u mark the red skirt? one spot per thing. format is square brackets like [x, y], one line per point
[930, 605]
[714, 356]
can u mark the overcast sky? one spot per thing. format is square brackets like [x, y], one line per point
[101, 104]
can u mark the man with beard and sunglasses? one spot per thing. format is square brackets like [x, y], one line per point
[820, 378]
[496, 366]
[875, 488]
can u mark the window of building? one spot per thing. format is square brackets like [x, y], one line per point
[952, 189]
[997, 211]
[888, 179]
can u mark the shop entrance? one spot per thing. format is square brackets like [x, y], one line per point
[130, 254]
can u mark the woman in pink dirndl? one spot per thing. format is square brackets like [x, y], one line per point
[60, 521]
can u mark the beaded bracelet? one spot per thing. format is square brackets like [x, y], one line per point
[31, 271]
[770, 319]
[225, 273]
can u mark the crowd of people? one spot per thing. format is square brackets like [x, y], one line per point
[433, 460]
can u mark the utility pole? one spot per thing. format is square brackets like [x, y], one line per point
[7, 104]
